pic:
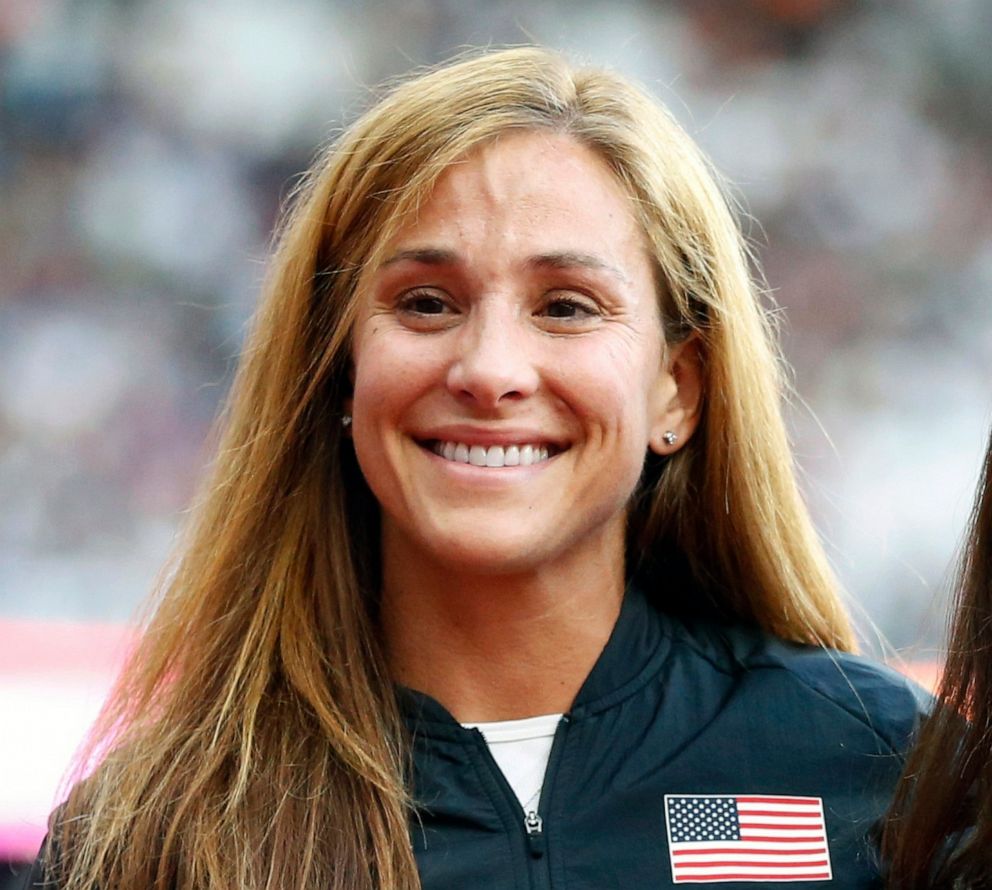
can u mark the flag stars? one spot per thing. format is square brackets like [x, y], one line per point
[733, 838]
[703, 819]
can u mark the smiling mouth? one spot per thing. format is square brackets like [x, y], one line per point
[523, 455]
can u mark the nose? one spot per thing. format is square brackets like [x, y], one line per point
[494, 363]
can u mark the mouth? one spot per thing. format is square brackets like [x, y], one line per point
[524, 454]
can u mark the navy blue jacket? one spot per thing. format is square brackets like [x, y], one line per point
[690, 746]
[683, 732]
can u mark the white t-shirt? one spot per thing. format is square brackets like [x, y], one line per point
[521, 749]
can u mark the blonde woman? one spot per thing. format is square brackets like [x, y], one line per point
[502, 578]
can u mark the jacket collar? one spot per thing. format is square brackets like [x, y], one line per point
[639, 644]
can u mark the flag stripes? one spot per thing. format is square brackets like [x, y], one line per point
[715, 838]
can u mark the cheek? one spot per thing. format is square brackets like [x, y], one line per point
[378, 395]
[387, 373]
[395, 379]
[618, 383]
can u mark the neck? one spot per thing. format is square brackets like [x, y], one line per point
[498, 646]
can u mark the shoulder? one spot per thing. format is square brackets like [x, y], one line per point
[887, 703]
[851, 687]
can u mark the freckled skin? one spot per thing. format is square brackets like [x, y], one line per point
[522, 298]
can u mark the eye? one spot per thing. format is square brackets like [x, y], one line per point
[423, 302]
[426, 309]
[565, 308]
[570, 308]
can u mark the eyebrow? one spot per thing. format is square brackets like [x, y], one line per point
[561, 259]
[569, 259]
[428, 256]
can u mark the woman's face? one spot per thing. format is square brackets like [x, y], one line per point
[509, 370]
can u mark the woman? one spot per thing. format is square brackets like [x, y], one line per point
[940, 830]
[497, 292]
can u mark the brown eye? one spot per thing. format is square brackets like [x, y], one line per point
[427, 306]
[567, 307]
[424, 303]
[426, 309]
[563, 309]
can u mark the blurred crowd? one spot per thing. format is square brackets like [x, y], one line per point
[146, 148]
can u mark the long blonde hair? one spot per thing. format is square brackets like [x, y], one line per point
[254, 740]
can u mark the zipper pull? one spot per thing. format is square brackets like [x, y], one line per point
[534, 825]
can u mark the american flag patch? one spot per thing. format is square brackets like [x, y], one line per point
[746, 837]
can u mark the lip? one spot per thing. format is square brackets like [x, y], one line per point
[471, 437]
[486, 436]
[482, 475]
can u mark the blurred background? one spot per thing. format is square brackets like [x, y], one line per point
[146, 147]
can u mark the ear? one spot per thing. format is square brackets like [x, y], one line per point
[678, 397]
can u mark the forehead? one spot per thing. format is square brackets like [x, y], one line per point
[542, 187]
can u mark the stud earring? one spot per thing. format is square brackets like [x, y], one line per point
[346, 420]
[670, 437]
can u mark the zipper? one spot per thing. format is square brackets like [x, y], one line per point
[534, 826]
[532, 821]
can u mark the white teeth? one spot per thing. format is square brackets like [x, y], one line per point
[493, 456]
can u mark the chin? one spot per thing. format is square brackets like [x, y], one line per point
[495, 555]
